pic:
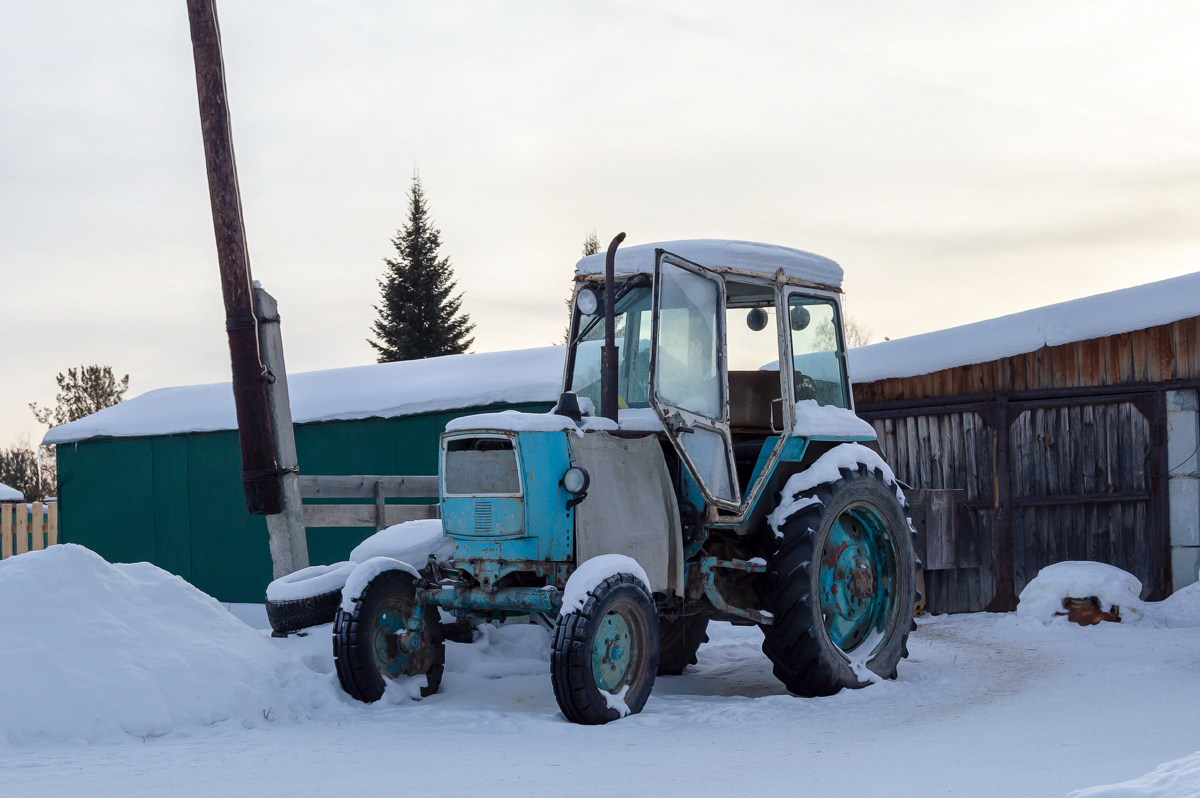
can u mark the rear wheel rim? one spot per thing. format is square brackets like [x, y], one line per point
[858, 581]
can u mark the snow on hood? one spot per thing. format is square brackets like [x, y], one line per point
[8, 494]
[380, 390]
[1096, 316]
[761, 259]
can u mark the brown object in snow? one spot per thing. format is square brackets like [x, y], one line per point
[1087, 612]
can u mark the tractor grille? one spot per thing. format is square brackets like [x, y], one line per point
[483, 517]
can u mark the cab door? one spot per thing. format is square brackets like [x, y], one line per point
[688, 381]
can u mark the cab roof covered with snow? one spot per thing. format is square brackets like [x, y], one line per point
[744, 257]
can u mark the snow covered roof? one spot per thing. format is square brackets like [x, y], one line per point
[1096, 316]
[760, 259]
[8, 494]
[381, 390]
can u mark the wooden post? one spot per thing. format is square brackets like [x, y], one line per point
[37, 527]
[380, 507]
[21, 527]
[1005, 599]
[289, 545]
[6, 541]
[52, 524]
[260, 471]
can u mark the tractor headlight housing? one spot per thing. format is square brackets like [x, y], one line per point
[587, 302]
[576, 481]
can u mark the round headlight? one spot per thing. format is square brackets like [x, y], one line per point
[587, 302]
[575, 481]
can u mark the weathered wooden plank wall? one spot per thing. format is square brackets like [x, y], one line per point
[1061, 452]
[1157, 354]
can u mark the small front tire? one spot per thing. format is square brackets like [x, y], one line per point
[605, 653]
[373, 641]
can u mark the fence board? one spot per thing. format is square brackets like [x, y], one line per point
[343, 515]
[363, 487]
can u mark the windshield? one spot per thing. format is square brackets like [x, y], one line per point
[632, 337]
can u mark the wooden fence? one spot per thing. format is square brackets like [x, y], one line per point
[379, 488]
[27, 527]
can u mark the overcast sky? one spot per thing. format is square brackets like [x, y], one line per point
[960, 160]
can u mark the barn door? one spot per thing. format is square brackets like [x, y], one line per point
[1082, 476]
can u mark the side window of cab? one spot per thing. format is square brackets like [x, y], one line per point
[818, 351]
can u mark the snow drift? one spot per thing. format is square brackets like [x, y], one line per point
[94, 651]
[1177, 779]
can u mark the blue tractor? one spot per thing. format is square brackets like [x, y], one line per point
[703, 463]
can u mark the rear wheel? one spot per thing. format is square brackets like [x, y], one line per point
[605, 653]
[375, 640]
[841, 585]
[679, 640]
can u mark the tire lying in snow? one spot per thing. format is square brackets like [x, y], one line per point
[308, 597]
[679, 640]
[841, 584]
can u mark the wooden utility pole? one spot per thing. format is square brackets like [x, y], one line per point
[261, 475]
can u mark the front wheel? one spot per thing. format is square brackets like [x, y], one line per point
[376, 640]
[841, 582]
[605, 653]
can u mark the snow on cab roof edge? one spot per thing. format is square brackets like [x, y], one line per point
[749, 256]
[1097, 316]
[378, 390]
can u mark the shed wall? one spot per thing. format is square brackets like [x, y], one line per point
[177, 501]
[1073, 441]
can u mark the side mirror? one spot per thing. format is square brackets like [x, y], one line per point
[799, 317]
[757, 319]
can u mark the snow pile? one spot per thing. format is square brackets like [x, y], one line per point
[1177, 779]
[827, 468]
[1078, 320]
[816, 419]
[380, 390]
[364, 572]
[314, 580]
[1042, 598]
[94, 651]
[594, 571]
[1181, 608]
[8, 494]
[747, 256]
[411, 542]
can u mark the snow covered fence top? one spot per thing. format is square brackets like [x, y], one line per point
[760, 259]
[381, 390]
[1096, 316]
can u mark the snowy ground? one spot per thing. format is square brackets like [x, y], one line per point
[984, 706]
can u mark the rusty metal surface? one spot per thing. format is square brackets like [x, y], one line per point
[510, 599]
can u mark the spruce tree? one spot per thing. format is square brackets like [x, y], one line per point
[419, 316]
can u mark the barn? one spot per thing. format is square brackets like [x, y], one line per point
[158, 478]
[1069, 433]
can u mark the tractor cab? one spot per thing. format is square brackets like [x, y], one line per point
[701, 328]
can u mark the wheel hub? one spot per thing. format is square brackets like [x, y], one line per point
[612, 652]
[857, 576]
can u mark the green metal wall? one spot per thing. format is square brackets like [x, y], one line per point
[177, 501]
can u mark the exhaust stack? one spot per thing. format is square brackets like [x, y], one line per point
[608, 353]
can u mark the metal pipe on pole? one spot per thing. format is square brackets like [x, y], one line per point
[261, 475]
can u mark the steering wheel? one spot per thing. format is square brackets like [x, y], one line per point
[805, 387]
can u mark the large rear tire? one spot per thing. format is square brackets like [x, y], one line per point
[679, 640]
[841, 584]
[605, 653]
[373, 642]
